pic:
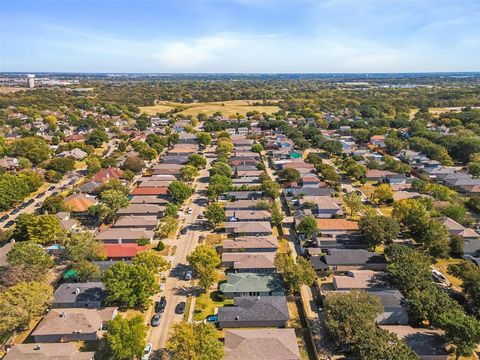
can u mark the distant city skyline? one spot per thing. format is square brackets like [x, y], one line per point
[236, 36]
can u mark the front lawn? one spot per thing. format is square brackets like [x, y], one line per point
[206, 303]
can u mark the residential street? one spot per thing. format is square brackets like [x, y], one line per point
[176, 289]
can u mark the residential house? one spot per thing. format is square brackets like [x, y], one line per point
[251, 244]
[359, 279]
[142, 210]
[241, 205]
[9, 163]
[248, 215]
[393, 302]
[251, 284]
[66, 222]
[79, 295]
[346, 259]
[378, 141]
[150, 191]
[336, 227]
[130, 221]
[254, 311]
[124, 236]
[248, 228]
[76, 153]
[377, 175]
[148, 199]
[73, 324]
[454, 228]
[427, 343]
[79, 204]
[106, 175]
[122, 252]
[261, 344]
[262, 262]
[45, 351]
[244, 195]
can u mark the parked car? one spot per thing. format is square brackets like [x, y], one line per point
[15, 211]
[188, 275]
[180, 308]
[4, 217]
[147, 351]
[155, 320]
[200, 217]
[40, 195]
[189, 210]
[160, 305]
[211, 319]
[183, 231]
[51, 188]
[10, 223]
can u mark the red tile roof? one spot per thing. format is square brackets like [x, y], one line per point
[122, 250]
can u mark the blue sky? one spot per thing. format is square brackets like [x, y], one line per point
[240, 35]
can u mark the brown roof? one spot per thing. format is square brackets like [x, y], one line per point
[147, 199]
[113, 251]
[124, 234]
[250, 260]
[152, 209]
[128, 221]
[47, 351]
[374, 173]
[336, 224]
[80, 202]
[261, 344]
[251, 242]
[107, 174]
[150, 191]
[70, 320]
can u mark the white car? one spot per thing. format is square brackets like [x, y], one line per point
[147, 351]
[189, 210]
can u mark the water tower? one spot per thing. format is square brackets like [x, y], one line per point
[31, 81]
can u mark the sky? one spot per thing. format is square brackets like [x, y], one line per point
[239, 36]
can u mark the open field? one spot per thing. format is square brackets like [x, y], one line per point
[227, 108]
[8, 90]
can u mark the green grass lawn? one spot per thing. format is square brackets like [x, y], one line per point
[206, 304]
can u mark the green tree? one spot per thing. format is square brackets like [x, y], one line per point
[133, 163]
[34, 149]
[198, 161]
[129, 286]
[151, 261]
[204, 260]
[31, 261]
[179, 191]
[436, 238]
[126, 337]
[258, 148]
[462, 331]
[171, 210]
[114, 199]
[221, 168]
[470, 276]
[167, 226]
[61, 165]
[455, 211]
[383, 194]
[23, 302]
[277, 215]
[218, 185]
[204, 138]
[224, 147]
[83, 246]
[215, 215]
[96, 138]
[53, 205]
[194, 342]
[41, 229]
[308, 227]
[378, 229]
[270, 188]
[86, 270]
[348, 316]
[188, 173]
[94, 164]
[289, 175]
[353, 201]
[295, 274]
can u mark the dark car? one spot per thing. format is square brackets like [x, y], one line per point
[160, 305]
[40, 195]
[4, 217]
[15, 211]
[10, 223]
[51, 188]
[180, 308]
[155, 320]
[183, 231]
[29, 202]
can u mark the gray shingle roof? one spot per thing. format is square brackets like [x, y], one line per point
[253, 308]
[250, 282]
